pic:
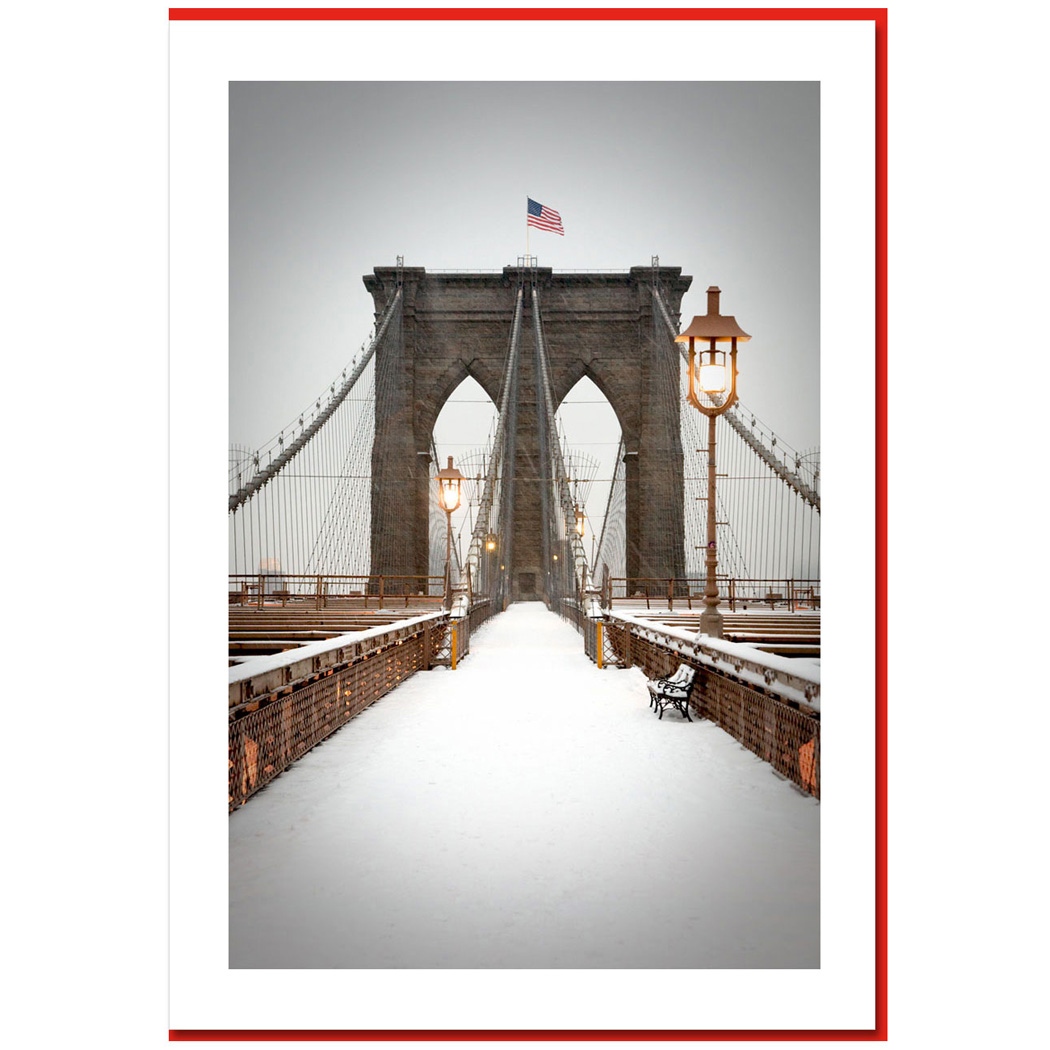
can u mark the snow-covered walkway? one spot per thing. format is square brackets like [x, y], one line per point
[526, 810]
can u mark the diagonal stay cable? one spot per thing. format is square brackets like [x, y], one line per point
[270, 471]
[554, 459]
[500, 444]
[756, 446]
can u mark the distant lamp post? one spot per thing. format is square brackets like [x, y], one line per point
[450, 482]
[710, 377]
[491, 543]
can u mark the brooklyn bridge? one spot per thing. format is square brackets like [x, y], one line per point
[541, 796]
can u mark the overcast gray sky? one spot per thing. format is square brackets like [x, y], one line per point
[328, 180]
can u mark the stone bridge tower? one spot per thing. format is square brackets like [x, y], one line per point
[599, 325]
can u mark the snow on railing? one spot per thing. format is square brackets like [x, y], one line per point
[354, 642]
[777, 674]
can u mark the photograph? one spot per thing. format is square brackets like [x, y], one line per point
[524, 525]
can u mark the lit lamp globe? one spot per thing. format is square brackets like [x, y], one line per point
[450, 483]
[711, 373]
[579, 521]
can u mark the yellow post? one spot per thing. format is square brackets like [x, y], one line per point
[599, 645]
[453, 648]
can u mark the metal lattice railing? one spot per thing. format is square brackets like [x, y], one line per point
[782, 732]
[794, 595]
[268, 733]
[294, 591]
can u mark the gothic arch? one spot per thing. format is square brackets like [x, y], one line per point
[616, 393]
[595, 325]
[432, 396]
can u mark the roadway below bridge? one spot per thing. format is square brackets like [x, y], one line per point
[526, 810]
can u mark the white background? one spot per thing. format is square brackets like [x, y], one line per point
[85, 327]
[205, 993]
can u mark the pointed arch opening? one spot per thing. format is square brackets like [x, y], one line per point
[591, 439]
[464, 429]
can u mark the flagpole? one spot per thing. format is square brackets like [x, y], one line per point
[526, 229]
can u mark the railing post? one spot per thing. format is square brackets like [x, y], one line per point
[317, 595]
[599, 645]
[381, 583]
[453, 649]
[670, 594]
[262, 587]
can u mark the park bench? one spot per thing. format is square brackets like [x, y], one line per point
[673, 691]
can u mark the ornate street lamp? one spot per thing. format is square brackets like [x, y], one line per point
[579, 521]
[450, 483]
[491, 542]
[709, 377]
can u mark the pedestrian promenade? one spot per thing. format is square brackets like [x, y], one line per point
[525, 810]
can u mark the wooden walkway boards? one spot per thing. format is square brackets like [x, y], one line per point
[276, 628]
[785, 634]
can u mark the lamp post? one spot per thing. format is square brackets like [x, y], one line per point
[579, 521]
[491, 543]
[450, 483]
[709, 377]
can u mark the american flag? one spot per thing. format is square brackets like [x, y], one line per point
[544, 218]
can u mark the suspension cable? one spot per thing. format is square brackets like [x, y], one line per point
[276, 466]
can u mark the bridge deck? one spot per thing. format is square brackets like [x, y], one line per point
[783, 632]
[276, 627]
[526, 810]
